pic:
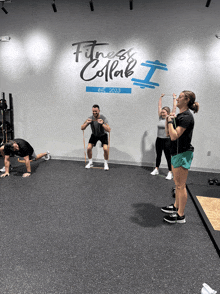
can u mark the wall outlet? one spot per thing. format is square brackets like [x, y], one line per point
[209, 153]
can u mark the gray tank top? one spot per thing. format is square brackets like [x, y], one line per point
[161, 133]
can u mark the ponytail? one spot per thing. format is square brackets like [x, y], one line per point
[194, 106]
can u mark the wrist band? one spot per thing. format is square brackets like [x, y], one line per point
[170, 122]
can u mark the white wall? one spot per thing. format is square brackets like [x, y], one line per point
[39, 68]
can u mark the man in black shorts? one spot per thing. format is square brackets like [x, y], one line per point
[99, 126]
[21, 148]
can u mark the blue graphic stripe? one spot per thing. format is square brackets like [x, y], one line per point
[109, 90]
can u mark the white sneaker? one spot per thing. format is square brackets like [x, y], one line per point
[106, 166]
[89, 165]
[207, 289]
[155, 172]
[169, 176]
[2, 170]
[48, 156]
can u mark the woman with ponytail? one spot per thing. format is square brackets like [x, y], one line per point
[180, 129]
[163, 142]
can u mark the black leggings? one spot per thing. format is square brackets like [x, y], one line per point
[163, 145]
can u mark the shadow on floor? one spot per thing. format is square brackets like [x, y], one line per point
[146, 215]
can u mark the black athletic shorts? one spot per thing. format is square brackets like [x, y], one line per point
[104, 139]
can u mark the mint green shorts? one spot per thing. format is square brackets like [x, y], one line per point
[183, 159]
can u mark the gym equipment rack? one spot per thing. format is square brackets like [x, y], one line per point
[6, 119]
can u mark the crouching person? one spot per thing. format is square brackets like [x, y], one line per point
[21, 148]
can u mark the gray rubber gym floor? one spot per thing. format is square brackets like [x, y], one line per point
[70, 230]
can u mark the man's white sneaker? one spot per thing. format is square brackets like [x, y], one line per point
[2, 170]
[106, 166]
[155, 172]
[169, 176]
[89, 165]
[47, 157]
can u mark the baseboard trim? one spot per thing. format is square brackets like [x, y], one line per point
[134, 163]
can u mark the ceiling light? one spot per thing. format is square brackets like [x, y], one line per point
[91, 5]
[3, 8]
[208, 3]
[54, 6]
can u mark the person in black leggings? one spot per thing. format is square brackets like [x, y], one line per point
[162, 141]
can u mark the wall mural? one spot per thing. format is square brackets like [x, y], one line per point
[146, 82]
[117, 64]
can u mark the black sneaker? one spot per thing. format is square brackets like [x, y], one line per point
[175, 218]
[169, 209]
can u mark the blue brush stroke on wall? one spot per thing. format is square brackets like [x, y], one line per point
[146, 82]
[114, 90]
